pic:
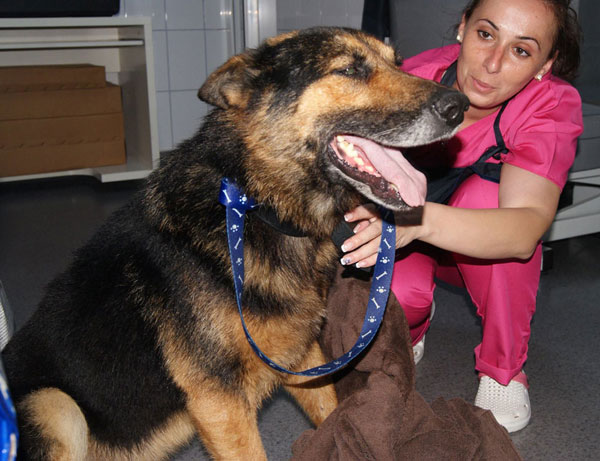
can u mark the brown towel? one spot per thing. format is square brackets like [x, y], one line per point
[381, 416]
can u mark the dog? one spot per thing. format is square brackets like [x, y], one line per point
[138, 345]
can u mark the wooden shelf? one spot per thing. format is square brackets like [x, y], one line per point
[124, 47]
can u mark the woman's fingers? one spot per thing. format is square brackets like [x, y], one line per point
[362, 225]
[361, 212]
[364, 256]
[362, 249]
[370, 231]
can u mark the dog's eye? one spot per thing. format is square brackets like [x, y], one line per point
[351, 71]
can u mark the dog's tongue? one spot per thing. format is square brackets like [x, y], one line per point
[395, 169]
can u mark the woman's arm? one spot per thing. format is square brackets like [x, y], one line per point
[527, 205]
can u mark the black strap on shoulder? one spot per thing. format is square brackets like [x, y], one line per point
[449, 76]
[500, 147]
[491, 171]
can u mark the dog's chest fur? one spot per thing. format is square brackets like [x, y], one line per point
[286, 277]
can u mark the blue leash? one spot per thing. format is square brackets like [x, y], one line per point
[236, 204]
[8, 424]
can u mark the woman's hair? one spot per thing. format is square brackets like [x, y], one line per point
[567, 38]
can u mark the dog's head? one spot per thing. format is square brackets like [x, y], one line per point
[325, 112]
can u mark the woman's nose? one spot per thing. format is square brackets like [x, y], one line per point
[493, 61]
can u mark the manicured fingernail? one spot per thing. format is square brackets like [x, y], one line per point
[345, 261]
[346, 247]
[348, 216]
[356, 228]
[358, 265]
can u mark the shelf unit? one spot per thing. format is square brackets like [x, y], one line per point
[582, 216]
[124, 47]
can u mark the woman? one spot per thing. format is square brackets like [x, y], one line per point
[488, 235]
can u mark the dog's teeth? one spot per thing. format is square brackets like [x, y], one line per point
[370, 169]
[393, 187]
[359, 161]
[347, 147]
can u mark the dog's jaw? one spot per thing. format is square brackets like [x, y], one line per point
[377, 172]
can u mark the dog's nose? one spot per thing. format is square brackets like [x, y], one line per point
[450, 105]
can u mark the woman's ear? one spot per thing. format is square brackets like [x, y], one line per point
[461, 29]
[547, 67]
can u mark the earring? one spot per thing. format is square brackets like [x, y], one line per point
[458, 38]
[538, 77]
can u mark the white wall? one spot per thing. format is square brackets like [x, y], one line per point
[299, 14]
[191, 38]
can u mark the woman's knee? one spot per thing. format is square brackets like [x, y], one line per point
[413, 282]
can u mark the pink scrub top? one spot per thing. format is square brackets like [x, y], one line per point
[540, 125]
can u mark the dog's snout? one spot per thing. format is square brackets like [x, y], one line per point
[451, 105]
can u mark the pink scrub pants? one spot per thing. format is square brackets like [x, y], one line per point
[503, 291]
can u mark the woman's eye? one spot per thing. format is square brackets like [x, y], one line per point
[483, 34]
[521, 52]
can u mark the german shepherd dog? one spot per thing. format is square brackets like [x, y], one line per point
[138, 345]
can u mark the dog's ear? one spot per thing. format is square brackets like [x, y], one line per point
[227, 86]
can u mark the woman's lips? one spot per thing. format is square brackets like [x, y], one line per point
[481, 86]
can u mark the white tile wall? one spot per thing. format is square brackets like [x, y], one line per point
[163, 114]
[186, 52]
[187, 112]
[191, 38]
[161, 64]
[294, 14]
[185, 14]
[153, 8]
[218, 14]
[219, 43]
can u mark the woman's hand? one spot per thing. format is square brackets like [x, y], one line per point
[362, 248]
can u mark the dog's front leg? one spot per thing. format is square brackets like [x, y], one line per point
[315, 395]
[227, 425]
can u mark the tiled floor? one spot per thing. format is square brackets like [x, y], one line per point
[42, 222]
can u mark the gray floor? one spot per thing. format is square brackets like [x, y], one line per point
[42, 222]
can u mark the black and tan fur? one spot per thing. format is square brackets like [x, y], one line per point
[138, 345]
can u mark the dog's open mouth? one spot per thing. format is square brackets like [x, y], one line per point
[384, 169]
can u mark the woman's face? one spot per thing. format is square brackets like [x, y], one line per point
[505, 43]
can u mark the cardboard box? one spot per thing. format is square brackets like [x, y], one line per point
[60, 103]
[55, 118]
[51, 77]
[33, 146]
